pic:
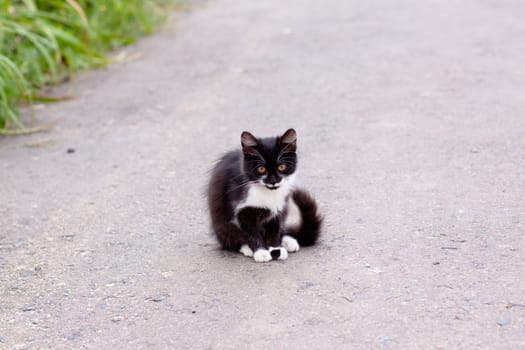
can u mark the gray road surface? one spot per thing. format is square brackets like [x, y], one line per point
[411, 124]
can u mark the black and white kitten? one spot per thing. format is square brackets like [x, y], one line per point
[254, 205]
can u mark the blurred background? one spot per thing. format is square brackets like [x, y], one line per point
[42, 42]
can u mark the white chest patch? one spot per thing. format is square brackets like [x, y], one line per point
[261, 197]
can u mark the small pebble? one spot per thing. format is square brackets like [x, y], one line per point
[70, 150]
[385, 339]
[156, 298]
[504, 322]
[29, 307]
[117, 318]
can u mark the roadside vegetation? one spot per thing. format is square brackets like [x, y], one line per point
[43, 42]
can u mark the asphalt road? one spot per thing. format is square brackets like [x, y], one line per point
[411, 127]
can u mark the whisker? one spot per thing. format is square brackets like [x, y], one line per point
[221, 195]
[242, 185]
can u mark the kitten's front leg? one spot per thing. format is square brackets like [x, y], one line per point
[251, 223]
[272, 239]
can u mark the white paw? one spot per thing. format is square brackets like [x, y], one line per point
[290, 244]
[283, 254]
[262, 255]
[246, 250]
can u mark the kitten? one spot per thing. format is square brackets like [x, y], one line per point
[254, 206]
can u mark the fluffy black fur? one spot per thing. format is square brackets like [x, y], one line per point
[259, 227]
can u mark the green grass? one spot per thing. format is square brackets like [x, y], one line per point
[42, 42]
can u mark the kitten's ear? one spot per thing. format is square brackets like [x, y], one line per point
[248, 140]
[289, 140]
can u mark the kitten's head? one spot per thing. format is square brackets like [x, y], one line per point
[269, 161]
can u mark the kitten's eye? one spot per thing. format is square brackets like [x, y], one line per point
[261, 170]
[281, 167]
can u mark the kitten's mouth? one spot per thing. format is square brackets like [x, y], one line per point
[272, 187]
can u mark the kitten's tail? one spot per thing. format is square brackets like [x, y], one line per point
[309, 229]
